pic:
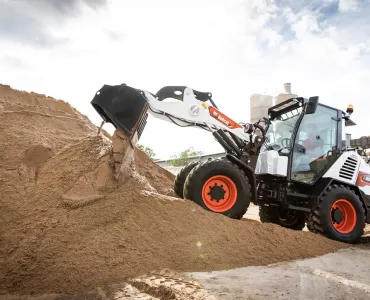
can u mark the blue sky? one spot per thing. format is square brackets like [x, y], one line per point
[231, 48]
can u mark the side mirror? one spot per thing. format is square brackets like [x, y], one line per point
[312, 105]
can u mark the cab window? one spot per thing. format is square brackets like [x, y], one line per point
[313, 148]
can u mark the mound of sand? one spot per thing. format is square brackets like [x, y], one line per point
[33, 128]
[71, 226]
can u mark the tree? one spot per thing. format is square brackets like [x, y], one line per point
[148, 151]
[182, 158]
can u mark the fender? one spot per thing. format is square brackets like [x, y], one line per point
[321, 188]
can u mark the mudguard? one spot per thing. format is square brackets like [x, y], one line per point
[249, 172]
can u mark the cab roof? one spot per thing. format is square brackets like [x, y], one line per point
[296, 103]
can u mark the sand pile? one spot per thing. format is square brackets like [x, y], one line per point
[33, 128]
[76, 227]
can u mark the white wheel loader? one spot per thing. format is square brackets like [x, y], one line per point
[294, 164]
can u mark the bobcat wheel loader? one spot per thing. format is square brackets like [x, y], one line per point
[293, 164]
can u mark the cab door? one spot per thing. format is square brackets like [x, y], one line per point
[315, 145]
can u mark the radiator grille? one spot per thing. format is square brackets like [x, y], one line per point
[347, 171]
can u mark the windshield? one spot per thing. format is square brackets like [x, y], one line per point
[280, 131]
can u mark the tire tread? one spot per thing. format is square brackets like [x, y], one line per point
[180, 178]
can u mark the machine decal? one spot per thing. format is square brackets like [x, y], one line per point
[219, 116]
[204, 105]
[363, 179]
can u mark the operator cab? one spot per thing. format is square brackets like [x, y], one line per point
[304, 138]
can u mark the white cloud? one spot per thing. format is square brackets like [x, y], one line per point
[306, 27]
[230, 48]
[290, 16]
[272, 37]
[348, 5]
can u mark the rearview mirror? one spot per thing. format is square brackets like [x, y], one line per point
[312, 105]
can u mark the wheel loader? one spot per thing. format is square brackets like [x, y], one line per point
[294, 164]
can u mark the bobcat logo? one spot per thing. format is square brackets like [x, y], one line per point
[222, 118]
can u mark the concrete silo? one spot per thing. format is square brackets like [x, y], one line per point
[286, 95]
[259, 105]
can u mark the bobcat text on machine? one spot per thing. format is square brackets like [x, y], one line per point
[294, 164]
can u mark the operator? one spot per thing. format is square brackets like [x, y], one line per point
[313, 141]
[313, 145]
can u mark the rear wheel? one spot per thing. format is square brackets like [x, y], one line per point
[219, 186]
[286, 218]
[181, 177]
[339, 216]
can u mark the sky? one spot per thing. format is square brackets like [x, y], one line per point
[233, 48]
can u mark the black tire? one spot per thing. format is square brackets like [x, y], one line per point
[181, 177]
[320, 220]
[294, 220]
[199, 176]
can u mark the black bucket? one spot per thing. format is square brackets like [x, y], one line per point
[122, 106]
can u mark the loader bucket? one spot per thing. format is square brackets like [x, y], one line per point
[122, 106]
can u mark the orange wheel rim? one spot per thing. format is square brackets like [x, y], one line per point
[288, 221]
[219, 193]
[343, 216]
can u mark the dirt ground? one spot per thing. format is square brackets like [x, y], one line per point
[344, 274]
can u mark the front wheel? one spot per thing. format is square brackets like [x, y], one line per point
[219, 186]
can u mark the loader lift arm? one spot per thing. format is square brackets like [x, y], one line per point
[127, 108]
